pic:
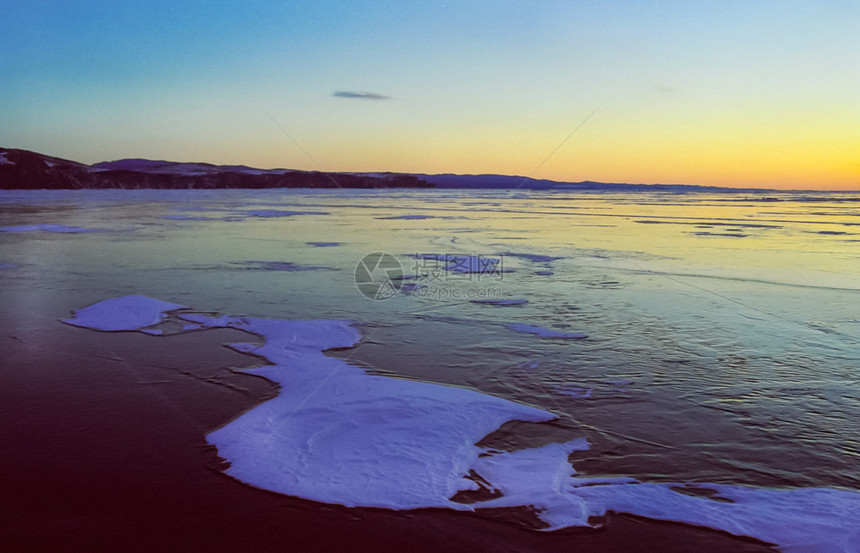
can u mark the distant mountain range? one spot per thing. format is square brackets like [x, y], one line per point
[23, 169]
[505, 181]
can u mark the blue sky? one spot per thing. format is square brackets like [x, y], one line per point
[723, 92]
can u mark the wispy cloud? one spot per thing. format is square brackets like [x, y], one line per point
[665, 89]
[359, 95]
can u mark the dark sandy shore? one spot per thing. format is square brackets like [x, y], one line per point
[102, 449]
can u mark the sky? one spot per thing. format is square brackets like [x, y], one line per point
[729, 93]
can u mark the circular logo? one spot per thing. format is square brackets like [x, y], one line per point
[378, 276]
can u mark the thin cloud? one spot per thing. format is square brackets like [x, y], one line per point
[360, 95]
[665, 89]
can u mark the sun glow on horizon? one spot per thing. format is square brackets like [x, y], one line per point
[733, 94]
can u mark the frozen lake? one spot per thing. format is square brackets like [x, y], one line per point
[699, 345]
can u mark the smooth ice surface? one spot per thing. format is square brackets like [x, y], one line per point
[337, 434]
[62, 229]
[123, 313]
[408, 217]
[7, 266]
[543, 332]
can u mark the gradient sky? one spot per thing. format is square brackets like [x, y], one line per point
[723, 92]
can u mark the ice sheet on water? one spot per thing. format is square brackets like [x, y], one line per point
[337, 434]
[62, 229]
[123, 313]
[544, 332]
[7, 266]
[325, 244]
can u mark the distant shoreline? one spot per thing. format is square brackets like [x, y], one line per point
[27, 170]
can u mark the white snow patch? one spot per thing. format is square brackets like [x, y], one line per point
[338, 435]
[5, 160]
[123, 313]
[799, 520]
[539, 478]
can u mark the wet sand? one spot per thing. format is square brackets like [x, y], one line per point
[103, 449]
